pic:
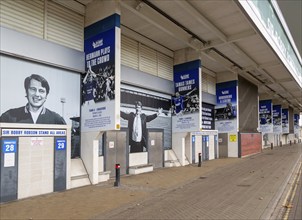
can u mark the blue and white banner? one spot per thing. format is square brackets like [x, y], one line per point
[277, 119]
[285, 123]
[296, 123]
[186, 104]
[101, 83]
[8, 132]
[265, 116]
[226, 107]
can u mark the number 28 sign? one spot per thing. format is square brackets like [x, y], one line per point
[9, 146]
[61, 144]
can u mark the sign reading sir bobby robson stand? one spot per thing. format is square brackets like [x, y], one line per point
[32, 132]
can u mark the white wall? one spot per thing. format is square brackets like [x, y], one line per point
[233, 146]
[178, 146]
[211, 147]
[90, 154]
[198, 147]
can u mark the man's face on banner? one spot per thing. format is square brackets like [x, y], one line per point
[36, 94]
[138, 109]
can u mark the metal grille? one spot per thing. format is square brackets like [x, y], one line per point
[64, 26]
[129, 52]
[165, 66]
[146, 59]
[44, 19]
[26, 16]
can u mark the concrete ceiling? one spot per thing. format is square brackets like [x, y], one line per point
[222, 34]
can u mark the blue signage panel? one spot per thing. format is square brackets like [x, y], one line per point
[296, 123]
[186, 85]
[285, 123]
[226, 107]
[186, 111]
[102, 79]
[9, 146]
[277, 119]
[61, 144]
[265, 116]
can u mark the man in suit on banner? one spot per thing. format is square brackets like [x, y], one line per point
[137, 124]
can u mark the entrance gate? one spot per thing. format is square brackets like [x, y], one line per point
[116, 151]
[156, 147]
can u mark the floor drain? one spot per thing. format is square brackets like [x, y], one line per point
[202, 177]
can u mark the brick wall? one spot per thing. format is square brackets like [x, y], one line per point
[250, 143]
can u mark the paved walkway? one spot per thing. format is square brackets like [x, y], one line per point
[229, 188]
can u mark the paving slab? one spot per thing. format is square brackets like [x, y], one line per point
[230, 188]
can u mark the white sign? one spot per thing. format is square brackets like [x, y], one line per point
[32, 132]
[111, 144]
[9, 159]
[152, 142]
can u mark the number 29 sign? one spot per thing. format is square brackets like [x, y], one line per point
[61, 144]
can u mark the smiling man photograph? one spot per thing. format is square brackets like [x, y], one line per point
[37, 89]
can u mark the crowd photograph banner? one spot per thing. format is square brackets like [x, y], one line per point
[265, 116]
[34, 93]
[186, 104]
[277, 119]
[226, 107]
[101, 83]
[141, 110]
[285, 122]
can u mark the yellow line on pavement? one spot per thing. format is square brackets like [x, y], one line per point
[288, 202]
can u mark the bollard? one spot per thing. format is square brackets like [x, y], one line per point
[199, 160]
[280, 143]
[272, 146]
[290, 143]
[117, 175]
[295, 142]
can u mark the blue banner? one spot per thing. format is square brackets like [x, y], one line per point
[101, 83]
[265, 116]
[186, 109]
[277, 119]
[226, 107]
[285, 123]
[186, 98]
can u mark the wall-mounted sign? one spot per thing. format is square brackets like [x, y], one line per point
[9, 148]
[277, 119]
[111, 144]
[226, 107]
[32, 132]
[285, 122]
[61, 144]
[233, 138]
[265, 116]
